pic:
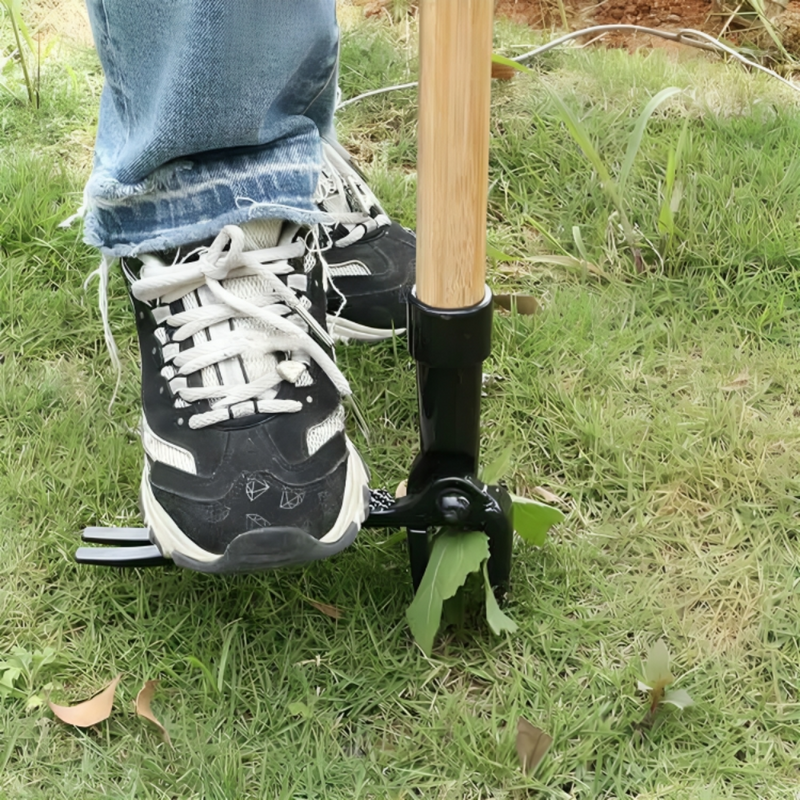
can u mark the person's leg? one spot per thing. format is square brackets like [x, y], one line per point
[208, 154]
[211, 115]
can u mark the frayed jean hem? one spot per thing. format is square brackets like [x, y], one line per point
[199, 231]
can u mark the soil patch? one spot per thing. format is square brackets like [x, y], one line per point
[667, 15]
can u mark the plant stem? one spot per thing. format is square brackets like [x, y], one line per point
[15, 28]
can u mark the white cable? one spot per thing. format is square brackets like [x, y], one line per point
[377, 91]
[687, 36]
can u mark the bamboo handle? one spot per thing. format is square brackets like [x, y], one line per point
[453, 160]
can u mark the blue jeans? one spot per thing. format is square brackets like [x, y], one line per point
[211, 114]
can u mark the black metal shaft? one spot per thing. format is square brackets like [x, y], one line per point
[449, 346]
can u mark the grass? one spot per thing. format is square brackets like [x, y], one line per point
[663, 406]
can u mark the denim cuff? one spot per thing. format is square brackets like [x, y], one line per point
[189, 200]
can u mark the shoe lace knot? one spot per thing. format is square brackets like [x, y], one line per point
[248, 320]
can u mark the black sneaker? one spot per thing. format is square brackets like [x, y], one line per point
[371, 259]
[247, 466]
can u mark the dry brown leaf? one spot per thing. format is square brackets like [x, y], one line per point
[90, 712]
[739, 382]
[546, 495]
[502, 71]
[375, 7]
[532, 744]
[525, 303]
[142, 707]
[326, 609]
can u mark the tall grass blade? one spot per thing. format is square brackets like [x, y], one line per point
[635, 141]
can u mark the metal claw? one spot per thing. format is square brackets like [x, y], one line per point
[123, 537]
[146, 556]
[133, 548]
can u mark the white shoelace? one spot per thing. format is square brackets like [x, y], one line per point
[342, 194]
[276, 321]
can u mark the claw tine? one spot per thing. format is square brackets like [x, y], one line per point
[147, 556]
[123, 537]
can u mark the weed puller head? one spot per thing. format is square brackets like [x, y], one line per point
[449, 313]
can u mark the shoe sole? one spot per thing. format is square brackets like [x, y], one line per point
[344, 330]
[263, 548]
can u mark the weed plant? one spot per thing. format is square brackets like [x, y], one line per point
[661, 404]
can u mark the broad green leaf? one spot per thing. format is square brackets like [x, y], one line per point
[501, 465]
[507, 62]
[533, 519]
[679, 698]
[497, 255]
[299, 710]
[10, 676]
[34, 701]
[635, 140]
[454, 555]
[656, 668]
[497, 619]
[454, 610]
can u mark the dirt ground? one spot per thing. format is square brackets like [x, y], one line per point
[711, 16]
[650, 13]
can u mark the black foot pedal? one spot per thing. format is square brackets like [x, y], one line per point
[131, 548]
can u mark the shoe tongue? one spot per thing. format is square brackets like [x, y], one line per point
[337, 202]
[260, 234]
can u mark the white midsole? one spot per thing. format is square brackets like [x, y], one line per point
[170, 538]
[342, 330]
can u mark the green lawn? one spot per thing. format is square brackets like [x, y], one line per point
[659, 400]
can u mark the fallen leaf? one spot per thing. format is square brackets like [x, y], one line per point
[502, 72]
[375, 8]
[525, 304]
[739, 382]
[142, 707]
[546, 495]
[90, 712]
[532, 745]
[326, 609]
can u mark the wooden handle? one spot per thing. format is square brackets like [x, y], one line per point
[453, 161]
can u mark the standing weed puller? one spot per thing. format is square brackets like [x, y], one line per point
[449, 312]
